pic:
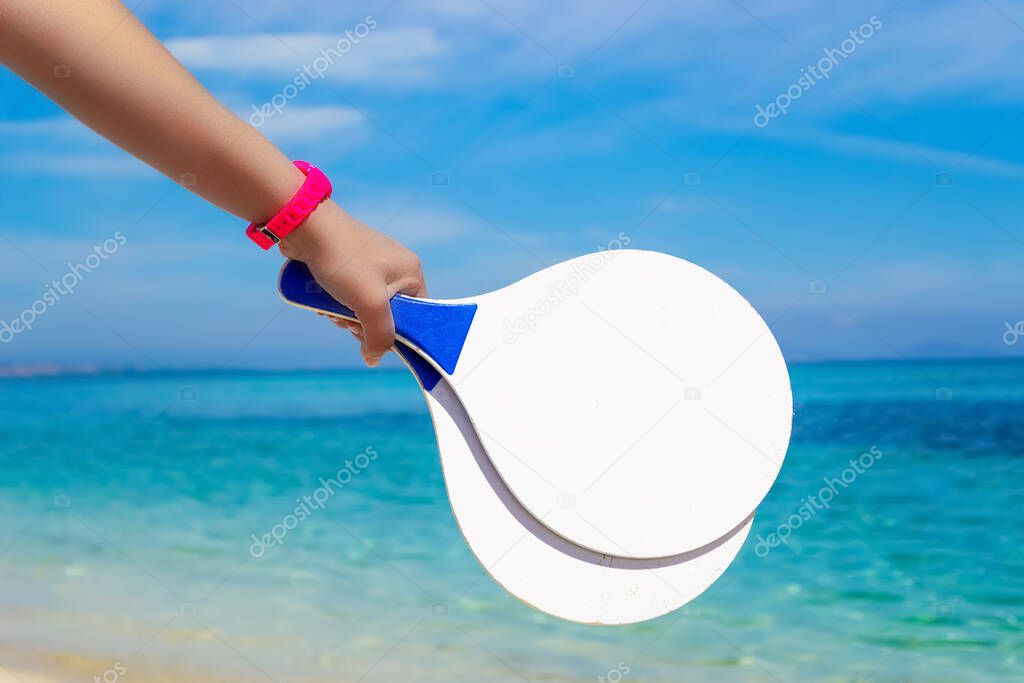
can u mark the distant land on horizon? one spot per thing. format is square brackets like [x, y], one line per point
[26, 371]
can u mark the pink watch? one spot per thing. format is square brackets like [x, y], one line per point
[314, 190]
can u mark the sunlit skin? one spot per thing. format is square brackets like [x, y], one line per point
[102, 66]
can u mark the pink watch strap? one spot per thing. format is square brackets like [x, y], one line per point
[315, 189]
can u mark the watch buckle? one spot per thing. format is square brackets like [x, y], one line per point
[268, 233]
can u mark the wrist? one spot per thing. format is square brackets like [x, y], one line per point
[315, 189]
[326, 230]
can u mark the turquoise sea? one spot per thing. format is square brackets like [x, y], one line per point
[129, 504]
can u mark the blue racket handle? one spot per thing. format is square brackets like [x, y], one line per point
[436, 329]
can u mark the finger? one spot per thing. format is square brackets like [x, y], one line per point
[410, 287]
[338, 322]
[378, 328]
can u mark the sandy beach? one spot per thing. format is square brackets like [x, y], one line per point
[42, 666]
[22, 676]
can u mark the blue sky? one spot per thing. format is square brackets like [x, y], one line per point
[893, 185]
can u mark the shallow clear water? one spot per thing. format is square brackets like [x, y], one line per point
[129, 504]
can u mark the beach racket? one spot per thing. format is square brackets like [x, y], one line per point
[540, 567]
[632, 401]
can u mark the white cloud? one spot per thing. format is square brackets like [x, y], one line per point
[418, 225]
[386, 55]
[58, 127]
[116, 164]
[311, 123]
[85, 154]
[723, 53]
[893, 149]
[942, 48]
[896, 150]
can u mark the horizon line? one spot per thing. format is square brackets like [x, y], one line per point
[43, 370]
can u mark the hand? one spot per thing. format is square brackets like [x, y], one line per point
[361, 268]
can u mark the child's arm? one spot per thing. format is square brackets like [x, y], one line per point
[94, 59]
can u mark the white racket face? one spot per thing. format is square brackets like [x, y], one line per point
[632, 401]
[543, 569]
